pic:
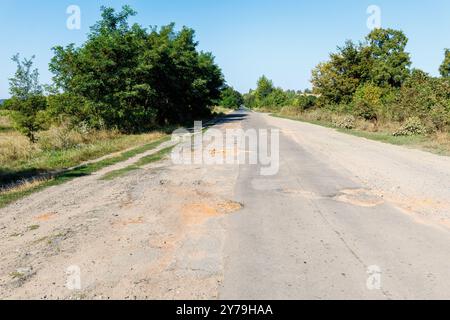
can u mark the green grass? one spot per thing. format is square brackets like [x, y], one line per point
[48, 161]
[140, 163]
[84, 170]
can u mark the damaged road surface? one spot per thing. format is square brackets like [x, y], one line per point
[343, 218]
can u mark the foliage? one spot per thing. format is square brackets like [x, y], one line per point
[305, 102]
[28, 101]
[381, 60]
[131, 78]
[367, 101]
[267, 96]
[444, 69]
[425, 97]
[373, 81]
[263, 89]
[337, 80]
[412, 126]
[231, 98]
[389, 61]
[346, 122]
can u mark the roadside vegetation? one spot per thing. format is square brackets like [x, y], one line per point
[26, 187]
[369, 89]
[117, 95]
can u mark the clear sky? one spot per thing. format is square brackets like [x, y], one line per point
[283, 39]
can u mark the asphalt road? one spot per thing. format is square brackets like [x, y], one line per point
[344, 218]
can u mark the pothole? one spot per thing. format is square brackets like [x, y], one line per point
[196, 213]
[358, 197]
[46, 216]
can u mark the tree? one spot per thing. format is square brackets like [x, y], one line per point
[445, 66]
[390, 61]
[338, 79]
[27, 101]
[263, 89]
[381, 61]
[231, 98]
[134, 79]
[277, 98]
[250, 100]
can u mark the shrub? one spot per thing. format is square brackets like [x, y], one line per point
[424, 97]
[367, 101]
[58, 138]
[305, 102]
[344, 122]
[412, 127]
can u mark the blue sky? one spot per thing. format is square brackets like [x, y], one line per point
[283, 39]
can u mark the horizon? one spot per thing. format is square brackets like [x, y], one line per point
[299, 36]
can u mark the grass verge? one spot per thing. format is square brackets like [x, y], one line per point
[140, 163]
[29, 187]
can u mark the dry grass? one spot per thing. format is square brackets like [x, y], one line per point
[60, 148]
[5, 122]
[14, 147]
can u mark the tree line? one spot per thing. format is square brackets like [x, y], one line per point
[267, 96]
[372, 80]
[123, 77]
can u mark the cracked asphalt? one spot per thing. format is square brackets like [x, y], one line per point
[344, 218]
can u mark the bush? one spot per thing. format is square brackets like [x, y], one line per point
[306, 102]
[59, 138]
[367, 102]
[412, 127]
[344, 122]
[424, 97]
[231, 98]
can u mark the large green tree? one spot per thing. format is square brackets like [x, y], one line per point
[338, 79]
[381, 61]
[390, 62]
[132, 78]
[264, 88]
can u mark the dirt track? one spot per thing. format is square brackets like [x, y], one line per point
[154, 233]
